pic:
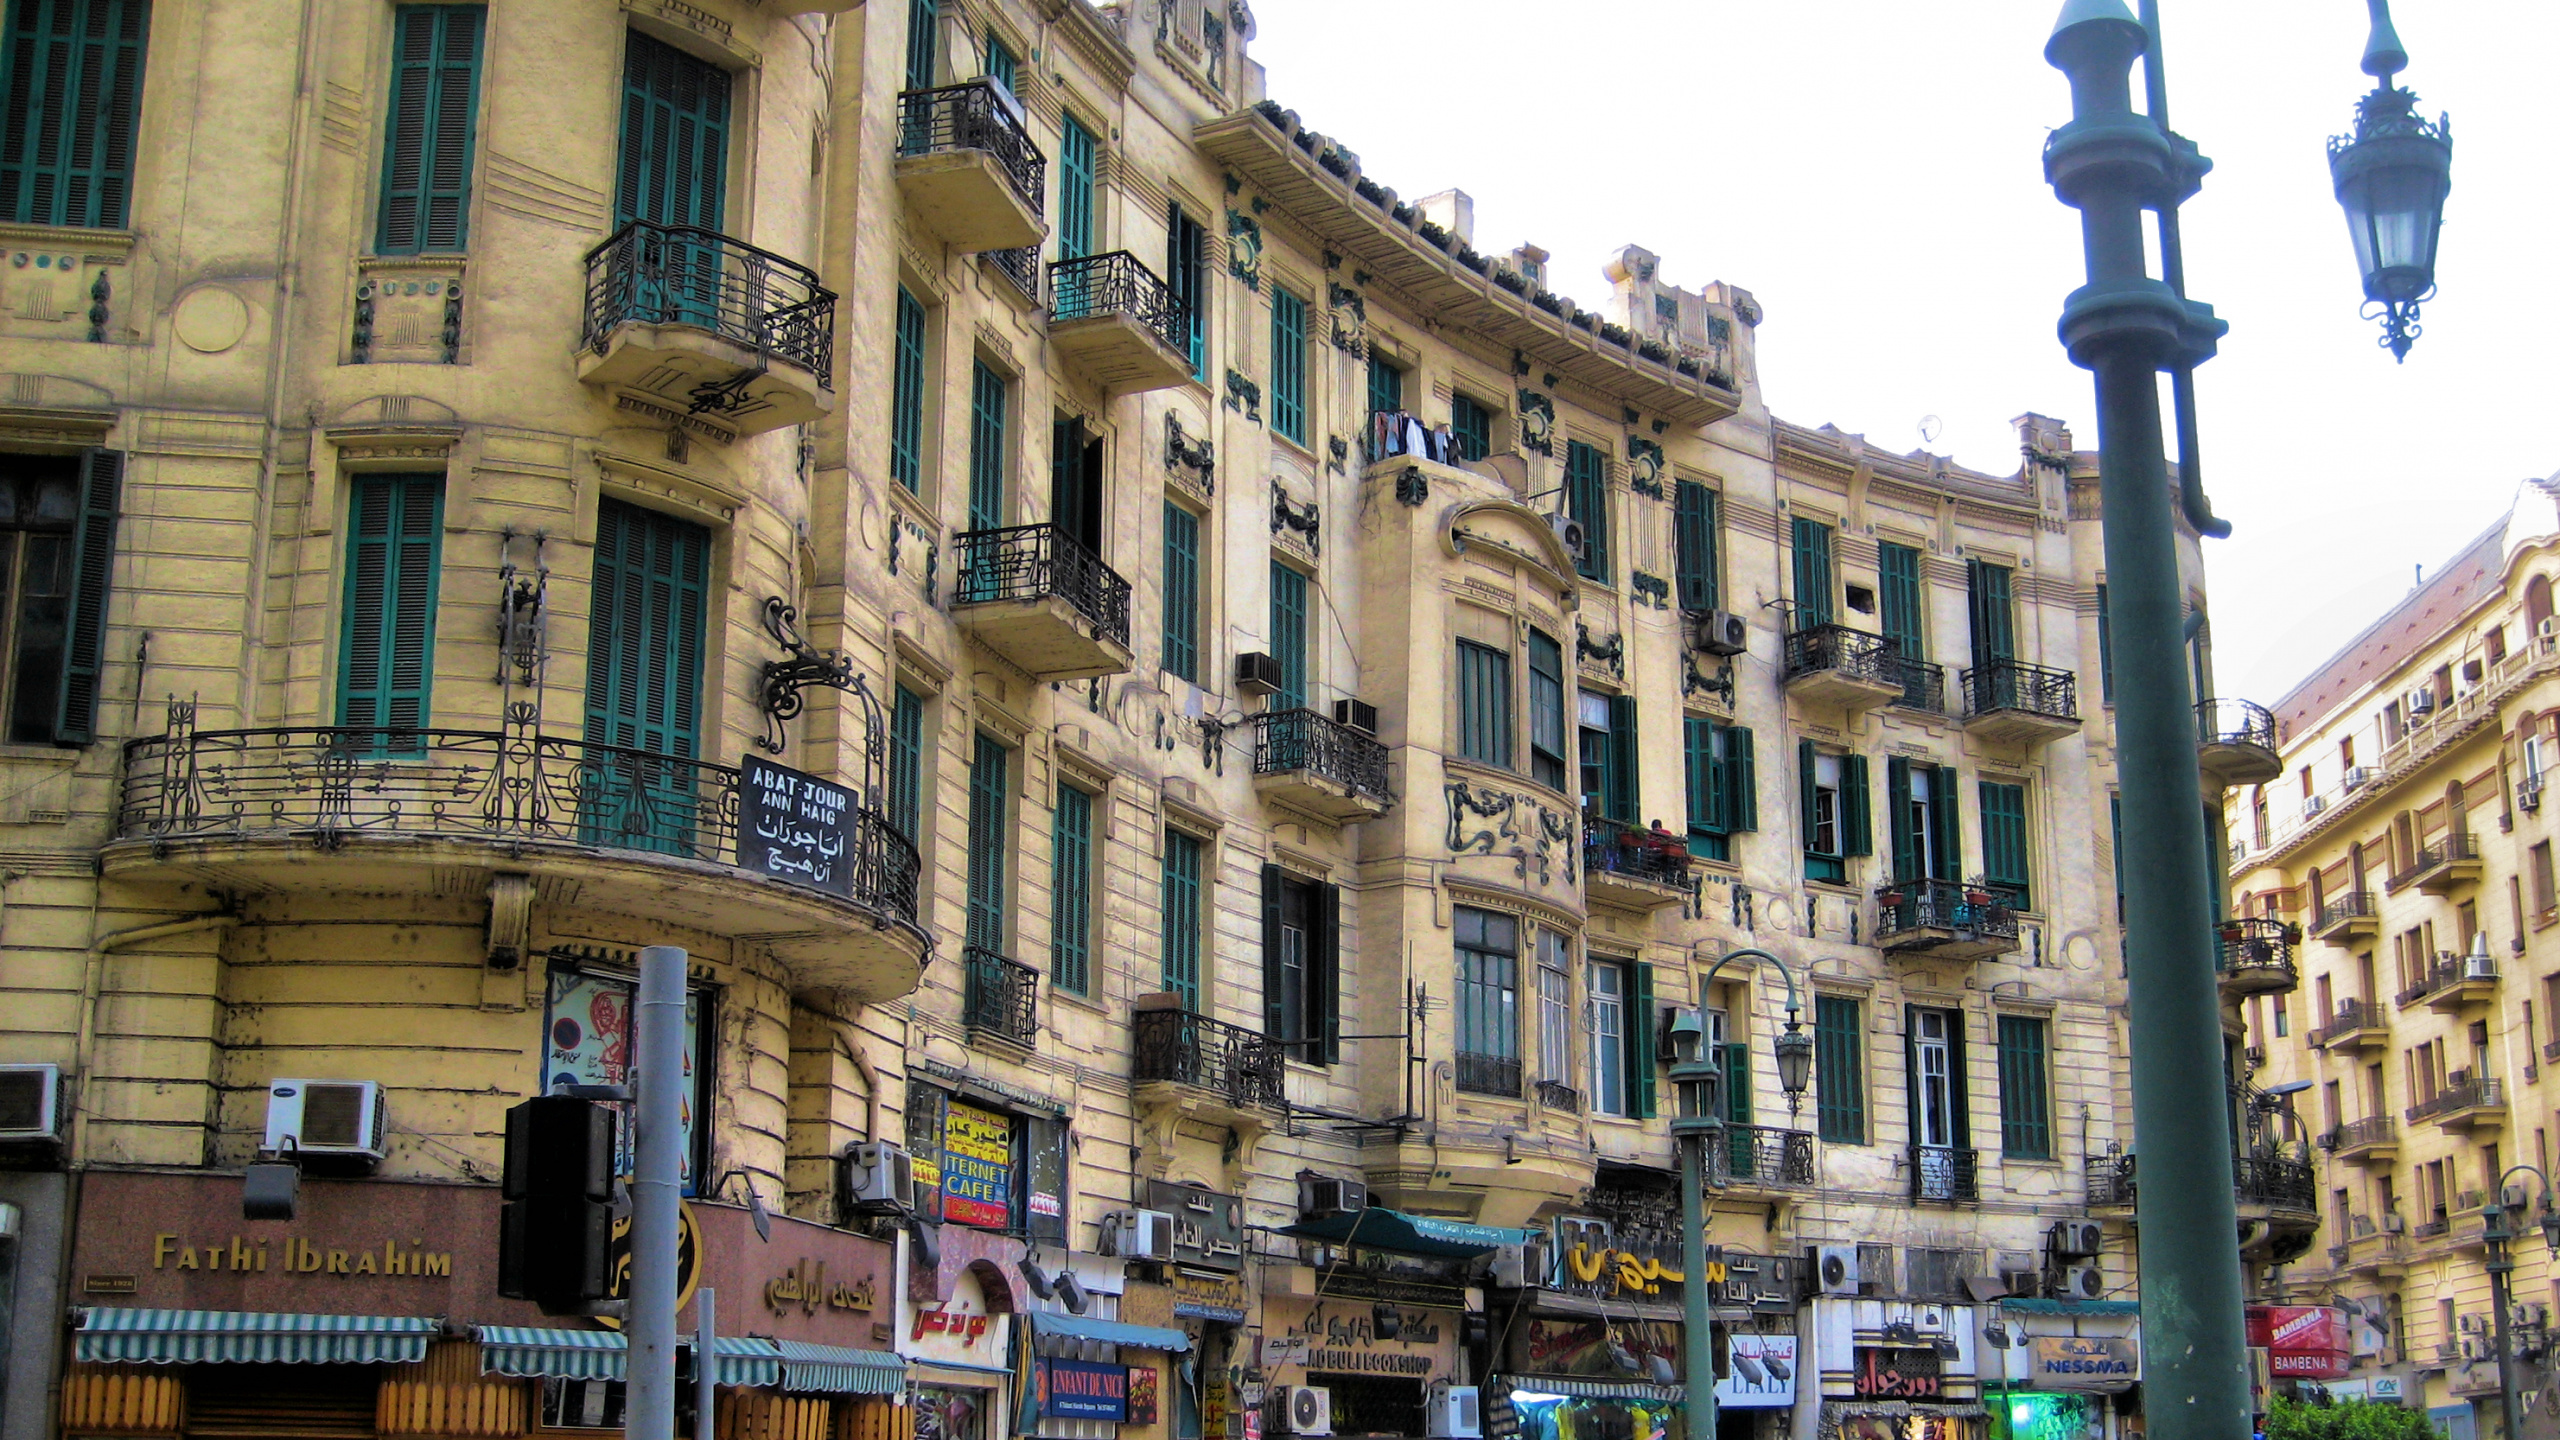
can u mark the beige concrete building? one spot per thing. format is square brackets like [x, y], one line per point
[1279, 714]
[2405, 837]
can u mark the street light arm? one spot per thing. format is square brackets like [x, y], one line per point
[1753, 951]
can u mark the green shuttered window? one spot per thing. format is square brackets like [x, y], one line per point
[1289, 365]
[1546, 710]
[1471, 427]
[923, 43]
[1994, 621]
[906, 395]
[1484, 704]
[644, 651]
[61, 629]
[1002, 67]
[1181, 592]
[2004, 839]
[1898, 598]
[1302, 965]
[990, 790]
[1812, 554]
[986, 447]
[70, 100]
[1075, 189]
[1386, 387]
[1289, 635]
[1694, 533]
[2026, 1108]
[426, 165]
[1487, 945]
[1586, 490]
[1182, 867]
[1071, 922]
[2106, 651]
[1187, 275]
[387, 656]
[1840, 1069]
[1641, 1101]
[675, 137]
[1722, 782]
[906, 763]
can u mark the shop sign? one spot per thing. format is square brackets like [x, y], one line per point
[2303, 1342]
[1766, 1283]
[2078, 1362]
[1895, 1373]
[1146, 1405]
[959, 1329]
[1362, 1284]
[977, 1166]
[1214, 1408]
[795, 827]
[1774, 1357]
[805, 1288]
[1083, 1390]
[1207, 1297]
[1208, 1228]
[1345, 1338]
[588, 1040]
[1572, 1345]
[297, 1256]
[1593, 1259]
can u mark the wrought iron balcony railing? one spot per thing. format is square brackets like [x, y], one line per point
[2470, 1093]
[1556, 1095]
[1033, 562]
[679, 275]
[2353, 906]
[2357, 1134]
[1489, 1074]
[1611, 848]
[2352, 1016]
[1003, 996]
[2016, 685]
[972, 116]
[1924, 687]
[335, 785]
[1945, 1174]
[1117, 284]
[2256, 945]
[1285, 740]
[1761, 1155]
[2277, 1181]
[1908, 905]
[2446, 973]
[1021, 266]
[2235, 722]
[1181, 1048]
[1839, 650]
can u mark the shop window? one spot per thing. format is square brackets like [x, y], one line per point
[1368, 1404]
[582, 1404]
[945, 1412]
[588, 1021]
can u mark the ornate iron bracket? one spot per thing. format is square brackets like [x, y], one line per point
[1612, 653]
[1244, 396]
[1412, 486]
[1650, 590]
[1181, 453]
[1694, 682]
[521, 611]
[779, 693]
[1285, 516]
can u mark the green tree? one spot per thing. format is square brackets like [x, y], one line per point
[2345, 1420]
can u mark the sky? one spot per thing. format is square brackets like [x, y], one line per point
[1869, 170]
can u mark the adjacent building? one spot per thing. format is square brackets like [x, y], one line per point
[1207, 740]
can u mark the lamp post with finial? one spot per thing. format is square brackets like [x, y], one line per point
[2496, 1233]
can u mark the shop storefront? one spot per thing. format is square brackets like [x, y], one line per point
[1892, 1370]
[2060, 1370]
[1389, 1313]
[1593, 1348]
[375, 1311]
[33, 1229]
[959, 1349]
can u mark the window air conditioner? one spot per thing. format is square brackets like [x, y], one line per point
[1356, 715]
[2529, 794]
[875, 1177]
[2077, 1237]
[326, 1118]
[2394, 1223]
[30, 1102]
[1258, 673]
[2313, 805]
[1322, 1195]
[1721, 632]
[1146, 1235]
[2079, 1282]
[1570, 534]
[1453, 1414]
[2419, 702]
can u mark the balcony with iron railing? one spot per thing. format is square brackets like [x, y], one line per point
[2256, 955]
[2467, 1102]
[2009, 702]
[1115, 320]
[1557, 1095]
[2375, 1140]
[1945, 920]
[1945, 1174]
[706, 332]
[1836, 666]
[1193, 1058]
[1308, 762]
[1924, 687]
[1489, 1074]
[2348, 918]
[1002, 999]
[2236, 742]
[1036, 596]
[2453, 983]
[369, 812]
[1633, 866]
[2262, 1182]
[2354, 1025]
[2441, 865]
[1020, 267]
[1761, 1157]
[968, 167]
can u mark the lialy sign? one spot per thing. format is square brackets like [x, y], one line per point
[1082, 1390]
[1764, 1373]
[795, 827]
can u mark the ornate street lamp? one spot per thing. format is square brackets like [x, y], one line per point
[2495, 1231]
[2392, 175]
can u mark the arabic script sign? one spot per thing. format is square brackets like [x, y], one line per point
[2077, 1362]
[977, 1166]
[1896, 1374]
[795, 827]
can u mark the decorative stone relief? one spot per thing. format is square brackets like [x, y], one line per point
[1521, 828]
[1651, 590]
[1244, 396]
[1350, 320]
[1412, 486]
[407, 311]
[1644, 466]
[1537, 422]
[1695, 683]
[1610, 653]
[1244, 249]
[1287, 518]
[1194, 462]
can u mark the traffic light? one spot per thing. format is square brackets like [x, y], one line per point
[557, 1225]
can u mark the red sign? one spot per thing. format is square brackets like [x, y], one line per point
[2303, 1342]
[1892, 1374]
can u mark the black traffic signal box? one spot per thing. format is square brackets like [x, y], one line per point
[557, 1227]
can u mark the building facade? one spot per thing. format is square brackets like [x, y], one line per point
[1205, 738]
[2404, 841]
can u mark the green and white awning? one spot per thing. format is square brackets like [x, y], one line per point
[838, 1370]
[605, 1355]
[113, 1334]
[1577, 1387]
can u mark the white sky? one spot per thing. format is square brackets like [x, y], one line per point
[1869, 170]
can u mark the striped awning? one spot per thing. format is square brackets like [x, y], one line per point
[112, 1334]
[838, 1370]
[605, 1355]
[1578, 1387]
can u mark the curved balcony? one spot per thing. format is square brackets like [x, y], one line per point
[350, 811]
[1307, 762]
[2009, 702]
[968, 168]
[1761, 1157]
[1113, 319]
[706, 332]
[2347, 919]
[1635, 867]
[1945, 921]
[1034, 595]
[1851, 669]
[2257, 956]
[2236, 743]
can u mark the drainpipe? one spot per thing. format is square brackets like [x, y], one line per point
[92, 981]
[861, 1059]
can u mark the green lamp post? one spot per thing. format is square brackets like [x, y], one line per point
[2392, 174]
[2495, 1231]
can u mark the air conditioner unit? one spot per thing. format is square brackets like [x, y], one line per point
[1835, 1269]
[1721, 632]
[30, 1102]
[1511, 1266]
[2419, 702]
[2023, 1284]
[1258, 673]
[1146, 1235]
[2394, 1223]
[1357, 715]
[2529, 795]
[875, 1178]
[1301, 1410]
[2478, 966]
[1453, 1414]
[2358, 776]
[2470, 1324]
[1570, 534]
[2079, 1282]
[2472, 1349]
[1322, 1195]
[2547, 627]
[2528, 1313]
[326, 1119]
[2073, 1238]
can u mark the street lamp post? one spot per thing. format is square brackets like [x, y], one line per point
[2493, 1216]
[1697, 1124]
[2392, 175]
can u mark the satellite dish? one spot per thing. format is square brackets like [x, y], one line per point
[1930, 425]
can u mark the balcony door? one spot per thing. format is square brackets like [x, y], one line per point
[644, 679]
[675, 165]
[1941, 1132]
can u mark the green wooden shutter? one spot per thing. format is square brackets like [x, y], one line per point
[987, 399]
[386, 659]
[1840, 1070]
[1812, 552]
[1076, 150]
[1182, 917]
[1911, 1073]
[2004, 838]
[1742, 780]
[1002, 67]
[1857, 825]
[1808, 786]
[1898, 601]
[1071, 922]
[1737, 1082]
[1386, 387]
[1694, 545]
[990, 787]
[1181, 592]
[2026, 1117]
[1289, 635]
[906, 763]
[93, 563]
[1700, 771]
[1948, 811]
[1640, 1023]
[906, 395]
[1471, 426]
[1066, 478]
[644, 650]
[1288, 365]
[2106, 651]
[426, 165]
[1897, 819]
[1586, 475]
[2115, 833]
[70, 99]
[923, 43]
[1995, 637]
[675, 137]
[1484, 704]
[1275, 1018]
[1959, 1089]
[1186, 274]
[1324, 959]
[1625, 801]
